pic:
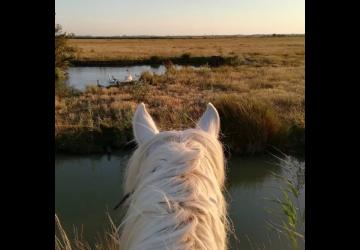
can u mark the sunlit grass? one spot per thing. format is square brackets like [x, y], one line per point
[64, 241]
[264, 50]
[177, 99]
[269, 74]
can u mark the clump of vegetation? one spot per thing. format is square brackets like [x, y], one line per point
[292, 182]
[248, 125]
[260, 93]
[92, 121]
[147, 77]
[185, 56]
[59, 74]
[253, 118]
[62, 89]
[64, 53]
[110, 240]
[155, 60]
[170, 68]
[140, 91]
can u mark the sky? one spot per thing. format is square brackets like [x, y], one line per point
[180, 17]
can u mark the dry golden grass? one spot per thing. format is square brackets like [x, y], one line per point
[177, 98]
[287, 48]
[271, 74]
[110, 241]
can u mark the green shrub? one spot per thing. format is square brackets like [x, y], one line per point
[185, 56]
[59, 74]
[155, 60]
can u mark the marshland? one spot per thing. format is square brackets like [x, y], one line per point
[255, 82]
[257, 85]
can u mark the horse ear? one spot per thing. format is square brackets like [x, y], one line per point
[210, 121]
[144, 127]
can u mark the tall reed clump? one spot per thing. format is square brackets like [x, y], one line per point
[147, 77]
[248, 125]
[110, 241]
[292, 182]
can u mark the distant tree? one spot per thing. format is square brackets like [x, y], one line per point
[63, 52]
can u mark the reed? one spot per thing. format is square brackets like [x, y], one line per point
[109, 241]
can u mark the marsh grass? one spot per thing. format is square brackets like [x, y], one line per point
[248, 124]
[147, 77]
[63, 241]
[249, 49]
[291, 183]
[59, 74]
[231, 51]
[253, 117]
[258, 89]
[62, 89]
[140, 91]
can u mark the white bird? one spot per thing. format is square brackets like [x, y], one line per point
[110, 78]
[129, 77]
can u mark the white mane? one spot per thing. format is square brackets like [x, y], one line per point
[175, 180]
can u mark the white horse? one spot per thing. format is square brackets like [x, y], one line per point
[174, 187]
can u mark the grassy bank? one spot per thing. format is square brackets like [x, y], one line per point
[213, 51]
[256, 83]
[260, 108]
[291, 47]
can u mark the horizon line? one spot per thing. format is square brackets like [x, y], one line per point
[205, 35]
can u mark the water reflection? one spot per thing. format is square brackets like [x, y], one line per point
[109, 156]
[250, 172]
[86, 187]
[80, 77]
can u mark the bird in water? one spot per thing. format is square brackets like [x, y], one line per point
[129, 77]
